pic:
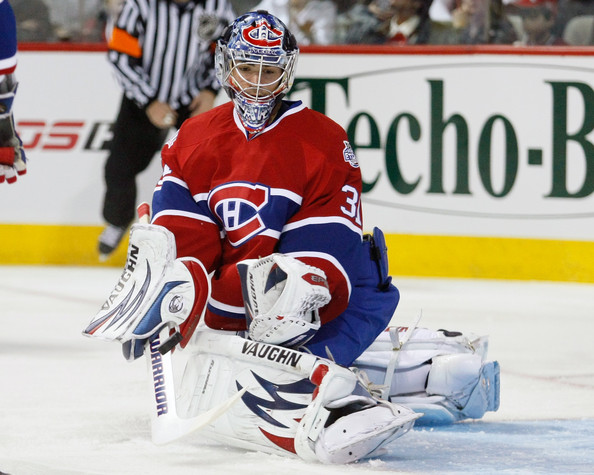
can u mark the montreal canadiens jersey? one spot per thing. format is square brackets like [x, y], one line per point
[294, 188]
[8, 39]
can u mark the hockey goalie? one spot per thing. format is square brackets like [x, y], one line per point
[255, 274]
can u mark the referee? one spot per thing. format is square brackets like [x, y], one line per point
[162, 55]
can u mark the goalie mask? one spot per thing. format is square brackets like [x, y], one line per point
[255, 63]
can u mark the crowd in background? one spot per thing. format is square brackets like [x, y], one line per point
[325, 22]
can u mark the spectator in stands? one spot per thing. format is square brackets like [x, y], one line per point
[569, 9]
[483, 22]
[349, 18]
[311, 22]
[33, 21]
[343, 5]
[394, 22]
[243, 6]
[538, 19]
[78, 21]
[441, 10]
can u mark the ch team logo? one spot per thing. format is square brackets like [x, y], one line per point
[238, 207]
[262, 35]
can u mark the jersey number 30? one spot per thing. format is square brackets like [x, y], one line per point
[353, 205]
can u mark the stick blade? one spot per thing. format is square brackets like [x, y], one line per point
[170, 427]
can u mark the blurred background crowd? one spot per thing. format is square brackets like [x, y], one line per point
[327, 22]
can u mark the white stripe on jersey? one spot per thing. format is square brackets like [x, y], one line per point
[273, 192]
[225, 307]
[185, 214]
[177, 181]
[287, 194]
[324, 220]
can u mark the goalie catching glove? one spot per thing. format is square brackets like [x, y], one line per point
[281, 297]
[155, 290]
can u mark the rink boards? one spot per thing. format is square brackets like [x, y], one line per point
[475, 162]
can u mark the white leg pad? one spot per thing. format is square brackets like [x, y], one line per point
[445, 377]
[295, 403]
[454, 376]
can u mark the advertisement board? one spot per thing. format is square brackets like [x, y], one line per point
[485, 155]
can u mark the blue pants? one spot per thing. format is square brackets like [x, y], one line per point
[371, 306]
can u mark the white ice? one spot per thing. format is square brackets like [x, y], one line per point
[71, 405]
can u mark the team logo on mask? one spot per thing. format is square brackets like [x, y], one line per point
[238, 206]
[262, 35]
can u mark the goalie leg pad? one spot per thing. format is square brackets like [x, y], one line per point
[363, 430]
[485, 395]
[460, 383]
[470, 386]
[292, 402]
[339, 428]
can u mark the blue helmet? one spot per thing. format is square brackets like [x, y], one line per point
[261, 39]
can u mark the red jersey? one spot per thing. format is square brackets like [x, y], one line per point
[293, 188]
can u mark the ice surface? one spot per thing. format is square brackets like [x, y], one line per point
[71, 405]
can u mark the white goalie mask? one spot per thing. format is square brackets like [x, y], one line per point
[255, 64]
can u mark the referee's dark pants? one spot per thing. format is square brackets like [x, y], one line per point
[135, 142]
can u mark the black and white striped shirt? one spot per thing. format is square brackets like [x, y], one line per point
[163, 50]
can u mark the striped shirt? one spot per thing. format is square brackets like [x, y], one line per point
[162, 50]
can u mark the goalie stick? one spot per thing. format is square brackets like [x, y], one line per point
[166, 424]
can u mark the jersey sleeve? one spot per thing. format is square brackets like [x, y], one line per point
[8, 45]
[184, 214]
[326, 232]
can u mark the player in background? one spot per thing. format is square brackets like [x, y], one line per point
[12, 156]
[256, 239]
[162, 56]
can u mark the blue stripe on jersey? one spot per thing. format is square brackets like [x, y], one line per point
[174, 197]
[334, 238]
[8, 45]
